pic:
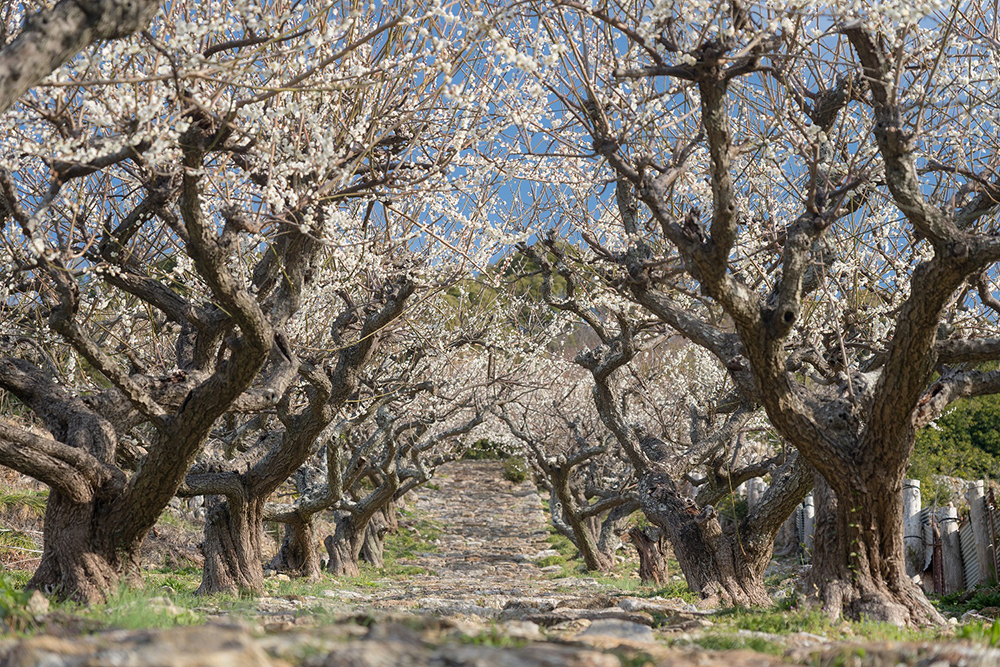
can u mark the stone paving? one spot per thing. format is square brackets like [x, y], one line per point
[494, 533]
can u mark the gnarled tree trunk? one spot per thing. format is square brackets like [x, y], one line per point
[77, 561]
[717, 564]
[859, 569]
[297, 553]
[344, 546]
[650, 544]
[233, 547]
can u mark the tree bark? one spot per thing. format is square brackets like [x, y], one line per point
[859, 568]
[373, 546]
[233, 547]
[344, 546]
[652, 549]
[297, 553]
[77, 562]
[721, 566]
[53, 36]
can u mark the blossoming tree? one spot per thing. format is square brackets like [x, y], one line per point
[223, 216]
[806, 190]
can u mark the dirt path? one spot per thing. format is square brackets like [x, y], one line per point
[494, 533]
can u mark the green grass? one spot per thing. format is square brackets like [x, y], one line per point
[963, 601]
[981, 633]
[416, 535]
[731, 642]
[142, 607]
[777, 621]
[492, 637]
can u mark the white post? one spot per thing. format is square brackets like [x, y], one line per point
[808, 522]
[977, 514]
[951, 550]
[755, 491]
[913, 532]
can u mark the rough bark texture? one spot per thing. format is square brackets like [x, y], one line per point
[53, 36]
[854, 572]
[232, 547]
[373, 546]
[344, 546]
[297, 553]
[718, 565]
[75, 561]
[652, 548]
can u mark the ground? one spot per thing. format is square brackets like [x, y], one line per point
[474, 577]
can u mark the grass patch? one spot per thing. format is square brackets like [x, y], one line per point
[141, 608]
[981, 633]
[674, 589]
[25, 501]
[492, 637]
[721, 642]
[416, 535]
[962, 601]
[777, 621]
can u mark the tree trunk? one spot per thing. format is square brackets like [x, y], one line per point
[373, 546]
[233, 546]
[650, 544]
[344, 546]
[612, 527]
[722, 567]
[859, 569]
[76, 563]
[584, 530]
[297, 553]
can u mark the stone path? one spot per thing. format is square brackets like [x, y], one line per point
[494, 534]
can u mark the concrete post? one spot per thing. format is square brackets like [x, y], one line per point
[913, 532]
[977, 514]
[951, 550]
[808, 522]
[755, 491]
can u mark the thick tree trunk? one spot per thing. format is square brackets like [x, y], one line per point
[722, 567]
[650, 544]
[297, 553]
[383, 523]
[233, 547]
[75, 564]
[344, 546]
[859, 568]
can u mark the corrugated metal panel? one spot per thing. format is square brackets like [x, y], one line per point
[969, 557]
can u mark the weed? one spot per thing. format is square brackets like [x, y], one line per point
[13, 605]
[719, 642]
[962, 601]
[515, 470]
[640, 659]
[140, 608]
[492, 637]
[551, 560]
[981, 633]
[485, 449]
